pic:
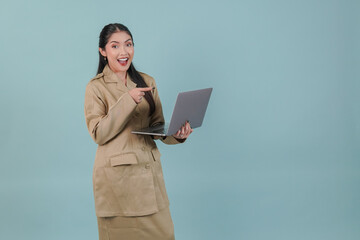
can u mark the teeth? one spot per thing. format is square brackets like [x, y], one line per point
[123, 59]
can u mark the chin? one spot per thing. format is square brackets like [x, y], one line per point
[125, 68]
[119, 68]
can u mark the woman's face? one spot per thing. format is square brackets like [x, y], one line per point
[119, 52]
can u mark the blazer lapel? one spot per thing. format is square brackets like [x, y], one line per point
[130, 83]
[110, 77]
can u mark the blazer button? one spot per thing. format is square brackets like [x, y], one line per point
[147, 166]
[143, 148]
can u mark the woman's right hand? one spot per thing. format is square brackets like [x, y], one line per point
[138, 93]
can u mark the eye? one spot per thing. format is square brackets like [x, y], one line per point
[115, 46]
[129, 44]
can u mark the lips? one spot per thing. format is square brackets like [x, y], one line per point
[123, 61]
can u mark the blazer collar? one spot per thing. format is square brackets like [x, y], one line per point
[110, 76]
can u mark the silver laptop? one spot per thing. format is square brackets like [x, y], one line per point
[190, 106]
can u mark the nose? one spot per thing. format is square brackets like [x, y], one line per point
[122, 49]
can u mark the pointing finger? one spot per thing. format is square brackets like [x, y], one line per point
[146, 89]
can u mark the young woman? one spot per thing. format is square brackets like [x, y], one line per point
[130, 197]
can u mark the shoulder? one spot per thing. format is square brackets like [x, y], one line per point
[149, 80]
[98, 77]
[94, 83]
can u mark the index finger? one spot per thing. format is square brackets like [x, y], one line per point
[146, 89]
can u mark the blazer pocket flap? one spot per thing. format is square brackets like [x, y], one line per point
[156, 154]
[123, 159]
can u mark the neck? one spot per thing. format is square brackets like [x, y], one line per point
[122, 76]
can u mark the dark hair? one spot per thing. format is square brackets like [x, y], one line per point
[105, 34]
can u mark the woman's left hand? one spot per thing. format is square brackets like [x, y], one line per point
[184, 132]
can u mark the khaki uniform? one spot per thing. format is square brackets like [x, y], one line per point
[127, 176]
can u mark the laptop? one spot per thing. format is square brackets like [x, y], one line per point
[190, 106]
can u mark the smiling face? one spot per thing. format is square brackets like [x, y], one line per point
[119, 52]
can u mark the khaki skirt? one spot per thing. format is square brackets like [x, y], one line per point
[157, 226]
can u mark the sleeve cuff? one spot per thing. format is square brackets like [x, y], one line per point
[172, 140]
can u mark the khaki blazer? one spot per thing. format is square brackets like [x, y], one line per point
[127, 175]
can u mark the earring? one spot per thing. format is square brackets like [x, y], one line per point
[105, 59]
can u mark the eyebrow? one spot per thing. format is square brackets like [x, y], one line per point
[118, 42]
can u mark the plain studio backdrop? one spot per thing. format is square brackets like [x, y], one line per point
[277, 157]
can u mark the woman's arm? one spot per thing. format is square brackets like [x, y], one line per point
[103, 125]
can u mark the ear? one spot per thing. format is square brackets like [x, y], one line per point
[102, 52]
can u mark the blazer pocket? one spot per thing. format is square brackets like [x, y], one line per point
[132, 186]
[123, 159]
[156, 154]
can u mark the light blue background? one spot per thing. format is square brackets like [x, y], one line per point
[277, 157]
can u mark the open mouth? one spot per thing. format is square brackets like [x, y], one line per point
[123, 61]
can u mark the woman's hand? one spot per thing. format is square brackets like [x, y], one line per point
[184, 132]
[138, 93]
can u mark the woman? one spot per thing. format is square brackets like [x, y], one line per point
[129, 190]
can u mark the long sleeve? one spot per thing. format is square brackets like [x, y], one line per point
[103, 125]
